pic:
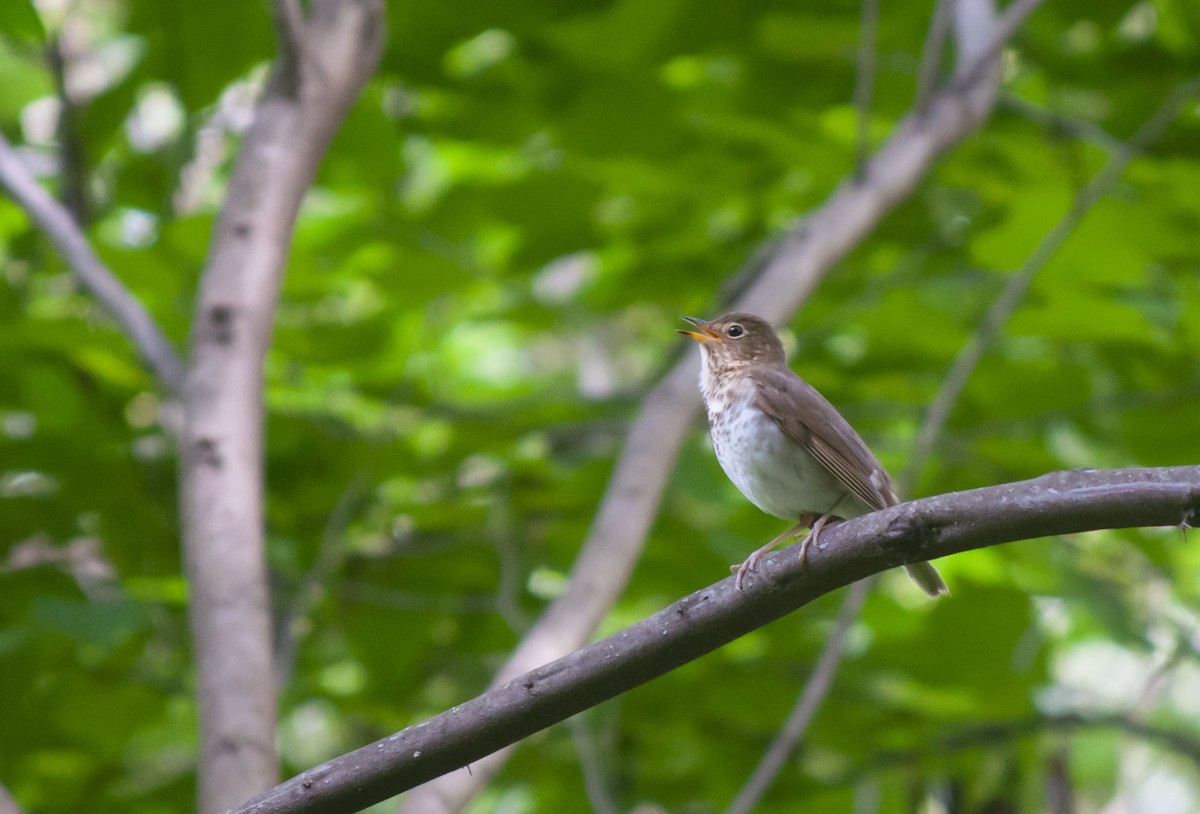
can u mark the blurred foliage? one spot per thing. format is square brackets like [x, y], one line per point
[485, 278]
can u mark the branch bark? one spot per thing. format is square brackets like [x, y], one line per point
[1001, 734]
[58, 224]
[221, 485]
[1058, 503]
[7, 804]
[800, 261]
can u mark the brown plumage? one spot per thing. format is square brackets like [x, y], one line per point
[784, 446]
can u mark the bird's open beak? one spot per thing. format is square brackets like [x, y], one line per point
[705, 334]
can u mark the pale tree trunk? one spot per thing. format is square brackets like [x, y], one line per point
[328, 50]
[326, 57]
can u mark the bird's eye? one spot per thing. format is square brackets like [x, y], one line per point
[735, 331]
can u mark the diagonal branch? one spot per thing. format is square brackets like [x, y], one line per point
[7, 804]
[800, 260]
[935, 421]
[1054, 504]
[973, 22]
[52, 218]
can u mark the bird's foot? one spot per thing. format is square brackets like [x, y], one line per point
[751, 563]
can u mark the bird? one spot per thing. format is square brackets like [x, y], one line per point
[784, 446]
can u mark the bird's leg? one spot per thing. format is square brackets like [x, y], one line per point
[751, 563]
[814, 532]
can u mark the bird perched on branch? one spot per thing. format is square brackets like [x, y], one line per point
[782, 444]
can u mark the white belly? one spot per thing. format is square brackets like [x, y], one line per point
[775, 474]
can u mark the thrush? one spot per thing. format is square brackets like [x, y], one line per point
[786, 448]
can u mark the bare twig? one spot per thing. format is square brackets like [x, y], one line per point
[864, 86]
[594, 782]
[1061, 125]
[59, 225]
[328, 556]
[931, 54]
[999, 734]
[1014, 290]
[1054, 504]
[72, 166]
[815, 690]
[500, 525]
[1060, 794]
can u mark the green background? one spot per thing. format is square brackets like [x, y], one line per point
[485, 279]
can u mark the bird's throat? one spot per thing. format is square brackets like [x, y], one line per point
[722, 383]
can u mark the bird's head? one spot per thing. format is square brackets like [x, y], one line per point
[737, 339]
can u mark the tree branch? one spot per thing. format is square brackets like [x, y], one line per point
[7, 804]
[973, 22]
[329, 555]
[1181, 743]
[1058, 503]
[800, 260]
[931, 54]
[221, 445]
[980, 44]
[864, 86]
[52, 218]
[72, 165]
[595, 784]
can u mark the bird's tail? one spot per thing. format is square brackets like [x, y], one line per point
[926, 576]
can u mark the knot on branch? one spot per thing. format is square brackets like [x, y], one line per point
[219, 324]
[207, 453]
[907, 538]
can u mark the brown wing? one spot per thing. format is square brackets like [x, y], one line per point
[807, 418]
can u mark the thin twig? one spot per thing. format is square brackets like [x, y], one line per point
[72, 166]
[1057, 123]
[815, 690]
[970, 70]
[59, 225]
[500, 526]
[1013, 292]
[864, 86]
[328, 556]
[1001, 734]
[594, 783]
[931, 55]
